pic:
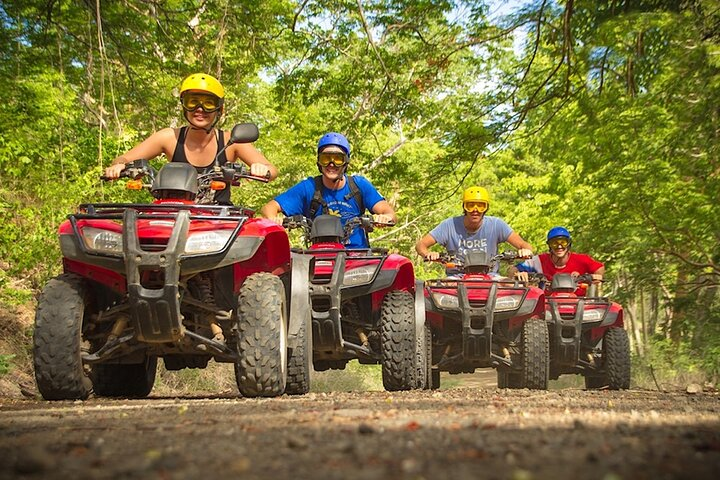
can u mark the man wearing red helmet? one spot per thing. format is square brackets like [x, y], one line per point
[202, 98]
[333, 192]
[559, 259]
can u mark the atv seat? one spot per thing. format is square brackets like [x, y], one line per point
[477, 262]
[326, 229]
[563, 282]
[176, 180]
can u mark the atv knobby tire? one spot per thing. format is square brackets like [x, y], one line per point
[57, 339]
[299, 359]
[398, 346]
[124, 380]
[615, 362]
[423, 359]
[435, 379]
[507, 379]
[535, 356]
[261, 368]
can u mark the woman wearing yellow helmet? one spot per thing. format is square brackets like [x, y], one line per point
[202, 98]
[473, 231]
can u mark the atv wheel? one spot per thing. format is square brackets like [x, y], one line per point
[299, 358]
[261, 368]
[615, 362]
[595, 382]
[535, 355]
[616, 350]
[57, 354]
[397, 326]
[124, 380]
[435, 379]
[509, 380]
[423, 359]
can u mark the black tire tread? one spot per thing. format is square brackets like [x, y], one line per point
[617, 358]
[57, 358]
[398, 345]
[125, 380]
[259, 369]
[298, 369]
[535, 355]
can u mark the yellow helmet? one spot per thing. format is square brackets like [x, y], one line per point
[476, 199]
[203, 82]
[476, 194]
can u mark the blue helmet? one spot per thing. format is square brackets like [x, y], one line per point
[556, 232]
[337, 139]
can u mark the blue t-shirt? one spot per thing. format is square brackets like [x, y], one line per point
[298, 199]
[452, 235]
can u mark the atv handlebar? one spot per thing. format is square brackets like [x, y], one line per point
[296, 221]
[234, 171]
[451, 260]
[134, 170]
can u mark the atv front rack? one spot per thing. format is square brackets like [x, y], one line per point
[566, 329]
[155, 312]
[477, 308]
[328, 292]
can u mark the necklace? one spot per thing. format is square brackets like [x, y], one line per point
[556, 264]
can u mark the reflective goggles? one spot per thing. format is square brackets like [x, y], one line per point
[479, 207]
[560, 242]
[337, 159]
[208, 103]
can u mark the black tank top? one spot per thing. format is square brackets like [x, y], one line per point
[222, 197]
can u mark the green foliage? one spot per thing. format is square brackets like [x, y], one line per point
[607, 124]
[671, 366]
[354, 378]
[5, 364]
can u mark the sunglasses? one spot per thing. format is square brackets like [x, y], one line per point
[556, 243]
[337, 159]
[208, 103]
[479, 207]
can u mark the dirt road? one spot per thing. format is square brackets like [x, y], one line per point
[463, 433]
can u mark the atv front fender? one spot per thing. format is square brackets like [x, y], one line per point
[299, 297]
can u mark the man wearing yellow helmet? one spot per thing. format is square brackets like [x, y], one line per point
[472, 231]
[202, 97]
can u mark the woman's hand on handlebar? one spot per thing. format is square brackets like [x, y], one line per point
[113, 171]
[260, 170]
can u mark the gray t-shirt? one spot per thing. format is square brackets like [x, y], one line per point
[452, 235]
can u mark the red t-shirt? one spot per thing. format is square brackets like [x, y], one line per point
[578, 262]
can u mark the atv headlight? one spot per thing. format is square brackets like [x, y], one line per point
[510, 302]
[205, 242]
[593, 315]
[103, 241]
[444, 300]
[360, 275]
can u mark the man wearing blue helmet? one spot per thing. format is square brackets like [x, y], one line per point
[559, 259]
[332, 192]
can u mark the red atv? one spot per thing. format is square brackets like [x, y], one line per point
[176, 279]
[587, 334]
[478, 321]
[361, 302]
